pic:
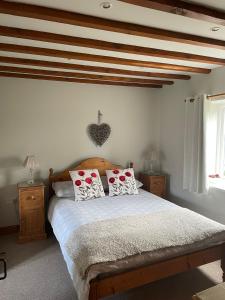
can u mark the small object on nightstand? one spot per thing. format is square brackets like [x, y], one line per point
[155, 184]
[31, 211]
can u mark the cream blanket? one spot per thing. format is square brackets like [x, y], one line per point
[114, 239]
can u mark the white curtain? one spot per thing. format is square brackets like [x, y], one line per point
[203, 138]
[209, 141]
[193, 173]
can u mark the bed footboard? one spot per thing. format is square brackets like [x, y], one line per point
[102, 287]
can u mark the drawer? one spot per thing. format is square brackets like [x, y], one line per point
[31, 199]
[157, 180]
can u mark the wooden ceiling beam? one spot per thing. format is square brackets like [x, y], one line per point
[83, 75]
[69, 66]
[76, 80]
[66, 17]
[186, 9]
[98, 58]
[103, 45]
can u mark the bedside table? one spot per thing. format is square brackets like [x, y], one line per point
[155, 184]
[31, 211]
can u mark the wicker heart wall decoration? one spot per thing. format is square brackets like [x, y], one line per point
[99, 133]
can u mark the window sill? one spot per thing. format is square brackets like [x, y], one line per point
[218, 183]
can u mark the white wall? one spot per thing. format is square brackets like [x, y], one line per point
[49, 120]
[171, 111]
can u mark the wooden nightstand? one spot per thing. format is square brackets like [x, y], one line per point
[155, 184]
[31, 211]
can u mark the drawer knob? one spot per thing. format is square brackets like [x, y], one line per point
[31, 198]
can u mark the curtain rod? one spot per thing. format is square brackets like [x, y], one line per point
[211, 97]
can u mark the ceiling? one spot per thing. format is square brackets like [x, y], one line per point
[120, 11]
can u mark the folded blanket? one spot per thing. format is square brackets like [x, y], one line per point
[114, 239]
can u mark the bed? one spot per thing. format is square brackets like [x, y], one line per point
[108, 278]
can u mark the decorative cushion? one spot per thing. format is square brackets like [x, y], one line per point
[63, 189]
[106, 186]
[121, 182]
[87, 184]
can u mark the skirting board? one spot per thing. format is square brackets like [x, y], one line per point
[9, 229]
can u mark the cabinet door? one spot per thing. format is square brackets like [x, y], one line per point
[35, 221]
[158, 185]
[32, 222]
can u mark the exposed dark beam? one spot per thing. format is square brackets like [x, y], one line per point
[69, 66]
[98, 58]
[76, 80]
[82, 75]
[66, 17]
[187, 9]
[103, 45]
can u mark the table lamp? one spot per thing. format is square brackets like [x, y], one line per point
[31, 163]
[153, 158]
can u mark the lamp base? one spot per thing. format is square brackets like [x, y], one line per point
[31, 181]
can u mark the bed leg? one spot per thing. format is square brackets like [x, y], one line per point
[93, 293]
[223, 262]
[223, 267]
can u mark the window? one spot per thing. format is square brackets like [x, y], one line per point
[223, 161]
[216, 155]
[204, 144]
[220, 141]
[223, 148]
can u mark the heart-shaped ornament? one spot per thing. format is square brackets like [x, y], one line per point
[99, 133]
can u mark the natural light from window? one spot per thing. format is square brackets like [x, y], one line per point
[217, 179]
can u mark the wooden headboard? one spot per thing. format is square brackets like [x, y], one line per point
[92, 163]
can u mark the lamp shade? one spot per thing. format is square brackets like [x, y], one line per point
[153, 155]
[31, 162]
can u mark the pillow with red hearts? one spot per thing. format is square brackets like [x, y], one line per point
[121, 182]
[87, 184]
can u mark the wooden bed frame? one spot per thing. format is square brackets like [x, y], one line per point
[103, 286]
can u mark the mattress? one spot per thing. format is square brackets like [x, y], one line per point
[66, 215]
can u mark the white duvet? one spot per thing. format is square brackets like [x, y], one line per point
[66, 216]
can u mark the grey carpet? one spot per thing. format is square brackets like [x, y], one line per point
[36, 271]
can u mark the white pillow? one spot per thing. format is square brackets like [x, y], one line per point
[63, 189]
[87, 184]
[121, 182]
[138, 184]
